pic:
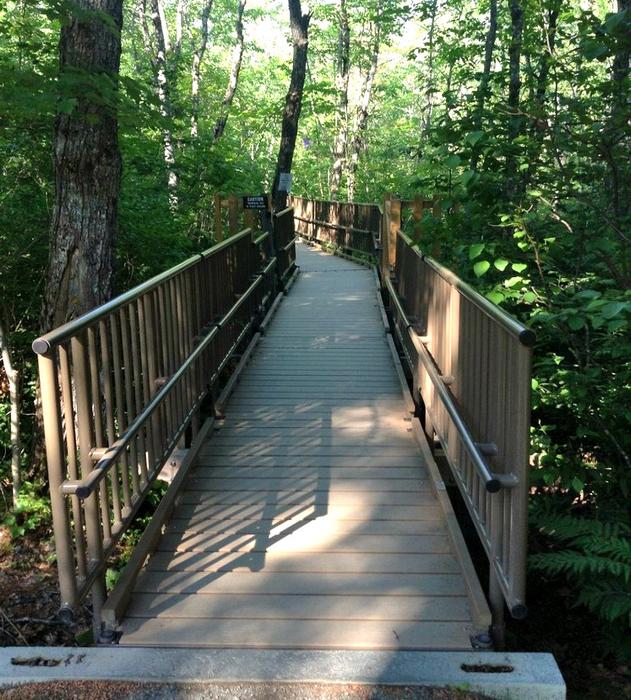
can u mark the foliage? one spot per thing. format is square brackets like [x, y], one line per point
[31, 512]
[596, 556]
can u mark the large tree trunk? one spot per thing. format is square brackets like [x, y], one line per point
[196, 71]
[361, 121]
[233, 80]
[483, 88]
[342, 78]
[87, 166]
[514, 87]
[299, 32]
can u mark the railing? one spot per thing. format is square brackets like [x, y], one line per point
[284, 242]
[471, 366]
[471, 370]
[123, 386]
[351, 228]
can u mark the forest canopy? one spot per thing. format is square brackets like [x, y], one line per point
[514, 114]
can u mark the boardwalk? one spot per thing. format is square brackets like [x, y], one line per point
[310, 520]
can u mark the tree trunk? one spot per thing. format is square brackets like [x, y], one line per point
[540, 121]
[196, 71]
[361, 121]
[87, 167]
[342, 78]
[299, 32]
[237, 57]
[483, 88]
[14, 399]
[514, 87]
[429, 103]
[162, 88]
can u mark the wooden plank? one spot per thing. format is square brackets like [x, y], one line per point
[298, 607]
[305, 562]
[355, 472]
[282, 583]
[316, 526]
[306, 460]
[338, 485]
[283, 634]
[259, 448]
[282, 499]
[303, 539]
[379, 513]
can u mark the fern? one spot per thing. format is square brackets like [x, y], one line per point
[593, 555]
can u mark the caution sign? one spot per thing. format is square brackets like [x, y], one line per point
[256, 201]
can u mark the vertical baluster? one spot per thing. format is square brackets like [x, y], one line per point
[137, 383]
[55, 459]
[71, 450]
[109, 417]
[151, 429]
[120, 409]
[85, 433]
[128, 376]
[98, 426]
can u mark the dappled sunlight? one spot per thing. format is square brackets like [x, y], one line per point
[310, 507]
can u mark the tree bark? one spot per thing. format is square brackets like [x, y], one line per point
[361, 121]
[87, 167]
[299, 23]
[163, 45]
[429, 103]
[342, 79]
[514, 88]
[14, 399]
[196, 71]
[483, 88]
[233, 80]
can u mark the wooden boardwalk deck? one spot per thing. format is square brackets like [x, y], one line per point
[310, 520]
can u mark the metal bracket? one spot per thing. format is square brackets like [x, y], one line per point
[482, 641]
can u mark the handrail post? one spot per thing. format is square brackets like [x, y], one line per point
[53, 435]
[91, 508]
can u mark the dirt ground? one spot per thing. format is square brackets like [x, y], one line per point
[229, 691]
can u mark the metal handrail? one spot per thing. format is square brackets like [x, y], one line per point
[326, 224]
[44, 344]
[84, 487]
[526, 335]
[492, 482]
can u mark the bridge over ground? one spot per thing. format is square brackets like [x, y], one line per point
[296, 415]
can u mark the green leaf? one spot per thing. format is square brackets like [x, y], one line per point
[577, 484]
[501, 264]
[480, 268]
[613, 309]
[475, 250]
[518, 267]
[495, 296]
[512, 281]
[576, 322]
[473, 137]
[529, 297]
[468, 177]
[452, 162]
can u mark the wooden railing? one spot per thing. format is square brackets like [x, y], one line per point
[470, 365]
[125, 384]
[471, 371]
[349, 228]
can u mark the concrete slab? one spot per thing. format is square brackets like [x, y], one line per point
[509, 676]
